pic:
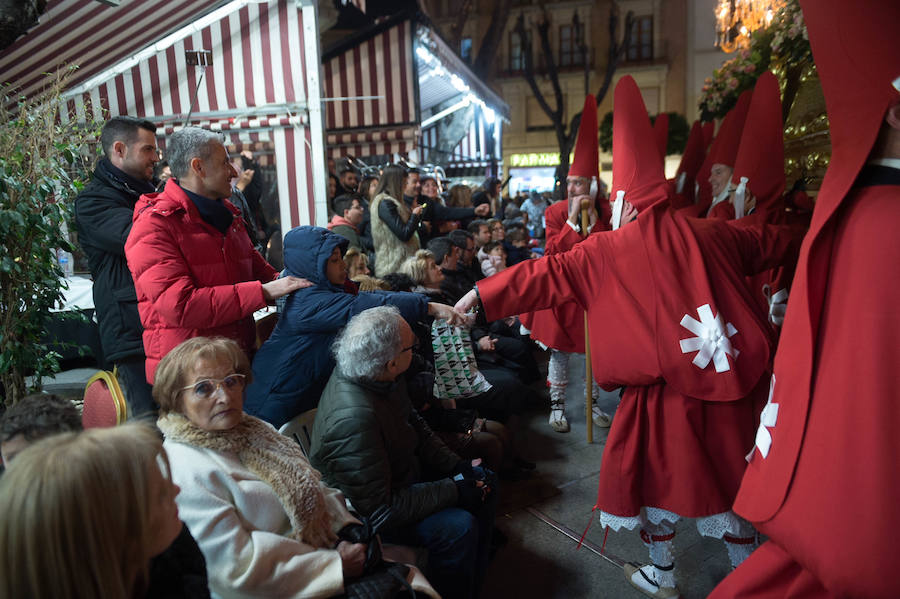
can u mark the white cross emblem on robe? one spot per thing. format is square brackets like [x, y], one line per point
[712, 339]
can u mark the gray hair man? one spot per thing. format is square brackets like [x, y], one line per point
[195, 270]
[370, 443]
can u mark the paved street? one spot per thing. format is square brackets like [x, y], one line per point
[540, 560]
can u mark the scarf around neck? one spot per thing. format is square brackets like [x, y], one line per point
[276, 460]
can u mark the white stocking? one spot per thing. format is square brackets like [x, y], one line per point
[659, 538]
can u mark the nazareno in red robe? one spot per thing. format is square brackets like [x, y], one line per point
[682, 430]
[562, 327]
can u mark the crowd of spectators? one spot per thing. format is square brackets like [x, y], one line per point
[399, 451]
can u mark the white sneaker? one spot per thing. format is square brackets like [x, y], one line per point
[600, 418]
[558, 421]
[644, 579]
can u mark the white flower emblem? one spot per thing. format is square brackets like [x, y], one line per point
[711, 341]
[766, 420]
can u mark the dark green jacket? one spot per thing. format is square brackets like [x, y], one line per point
[368, 442]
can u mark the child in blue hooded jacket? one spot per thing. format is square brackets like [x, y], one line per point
[292, 367]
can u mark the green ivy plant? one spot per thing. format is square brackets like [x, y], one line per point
[43, 163]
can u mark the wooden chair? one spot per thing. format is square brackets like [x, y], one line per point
[299, 429]
[104, 402]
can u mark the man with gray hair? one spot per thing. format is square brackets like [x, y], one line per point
[195, 271]
[371, 444]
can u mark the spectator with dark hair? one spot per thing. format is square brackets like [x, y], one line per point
[467, 263]
[489, 194]
[348, 179]
[34, 417]
[104, 211]
[194, 268]
[334, 185]
[161, 174]
[399, 281]
[498, 231]
[481, 232]
[348, 217]
[516, 245]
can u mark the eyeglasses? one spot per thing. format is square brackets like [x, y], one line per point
[411, 347]
[208, 387]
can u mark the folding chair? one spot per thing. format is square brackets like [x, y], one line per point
[104, 402]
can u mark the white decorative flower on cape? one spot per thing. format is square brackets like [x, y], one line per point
[712, 341]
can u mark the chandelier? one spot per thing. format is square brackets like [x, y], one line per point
[736, 20]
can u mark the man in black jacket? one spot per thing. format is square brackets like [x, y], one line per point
[103, 214]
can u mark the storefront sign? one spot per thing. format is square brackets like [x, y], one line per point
[535, 159]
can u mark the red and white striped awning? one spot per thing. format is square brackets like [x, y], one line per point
[92, 36]
[369, 90]
[132, 61]
[380, 84]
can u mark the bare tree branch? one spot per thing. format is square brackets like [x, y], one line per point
[543, 27]
[616, 50]
[525, 44]
[491, 40]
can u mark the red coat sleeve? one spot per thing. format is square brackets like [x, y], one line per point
[162, 275]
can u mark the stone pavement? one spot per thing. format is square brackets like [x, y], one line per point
[540, 559]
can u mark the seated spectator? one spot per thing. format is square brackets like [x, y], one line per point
[357, 263]
[447, 255]
[85, 512]
[369, 442]
[180, 570]
[367, 283]
[34, 417]
[348, 216]
[498, 232]
[493, 258]
[516, 246]
[469, 269]
[291, 368]
[481, 232]
[265, 523]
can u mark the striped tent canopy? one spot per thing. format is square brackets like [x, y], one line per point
[134, 59]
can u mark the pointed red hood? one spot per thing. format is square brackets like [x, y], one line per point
[855, 51]
[637, 164]
[587, 149]
[661, 131]
[691, 161]
[760, 157]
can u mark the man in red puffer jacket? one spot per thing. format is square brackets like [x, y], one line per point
[195, 270]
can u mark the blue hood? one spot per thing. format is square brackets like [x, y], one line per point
[306, 253]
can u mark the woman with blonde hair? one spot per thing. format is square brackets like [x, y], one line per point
[84, 514]
[357, 263]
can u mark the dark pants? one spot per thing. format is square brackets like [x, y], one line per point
[458, 544]
[138, 392]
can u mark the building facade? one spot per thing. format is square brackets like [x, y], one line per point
[671, 53]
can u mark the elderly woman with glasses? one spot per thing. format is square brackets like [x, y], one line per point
[264, 521]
